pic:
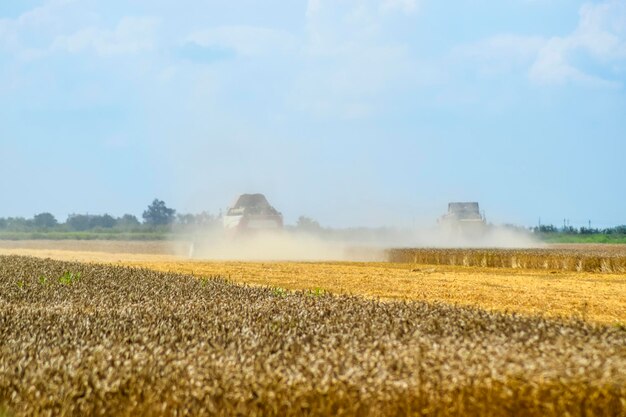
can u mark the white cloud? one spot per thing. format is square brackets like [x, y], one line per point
[131, 35]
[599, 38]
[602, 29]
[251, 41]
[15, 34]
[552, 67]
[351, 61]
[313, 7]
[406, 6]
[353, 83]
[501, 53]
[68, 26]
[45, 14]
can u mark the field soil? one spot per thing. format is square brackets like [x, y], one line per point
[592, 296]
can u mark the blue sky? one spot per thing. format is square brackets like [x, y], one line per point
[353, 112]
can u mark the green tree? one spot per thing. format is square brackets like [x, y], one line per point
[308, 225]
[127, 221]
[617, 230]
[19, 224]
[105, 221]
[44, 221]
[158, 214]
[186, 219]
[546, 228]
[78, 222]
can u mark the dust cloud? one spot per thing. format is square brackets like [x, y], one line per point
[342, 244]
[490, 237]
[280, 246]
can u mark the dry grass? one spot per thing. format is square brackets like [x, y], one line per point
[121, 341]
[593, 296]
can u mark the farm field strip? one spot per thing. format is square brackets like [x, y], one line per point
[589, 259]
[597, 297]
[83, 339]
[594, 297]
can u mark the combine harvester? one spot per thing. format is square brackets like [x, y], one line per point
[251, 214]
[463, 221]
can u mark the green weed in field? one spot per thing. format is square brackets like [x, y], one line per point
[68, 278]
[317, 292]
[279, 292]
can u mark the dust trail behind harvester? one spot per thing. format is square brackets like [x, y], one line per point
[280, 246]
[253, 230]
[341, 245]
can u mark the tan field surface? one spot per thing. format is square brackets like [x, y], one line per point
[593, 296]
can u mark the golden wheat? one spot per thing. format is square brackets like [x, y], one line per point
[87, 339]
[594, 296]
[580, 260]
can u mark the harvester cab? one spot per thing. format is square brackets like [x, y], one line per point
[464, 218]
[252, 213]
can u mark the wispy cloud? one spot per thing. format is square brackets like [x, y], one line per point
[29, 30]
[250, 41]
[501, 53]
[204, 54]
[66, 26]
[349, 65]
[406, 6]
[600, 37]
[599, 40]
[131, 35]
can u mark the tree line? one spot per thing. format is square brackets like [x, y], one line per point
[157, 216]
[570, 230]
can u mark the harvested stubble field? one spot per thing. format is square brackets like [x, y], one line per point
[587, 259]
[91, 339]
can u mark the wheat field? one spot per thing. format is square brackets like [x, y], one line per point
[82, 339]
[595, 296]
[589, 258]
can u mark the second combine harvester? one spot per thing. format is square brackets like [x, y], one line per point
[464, 219]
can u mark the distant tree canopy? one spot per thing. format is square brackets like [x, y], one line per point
[128, 220]
[307, 224]
[44, 221]
[618, 230]
[186, 219]
[17, 224]
[546, 228]
[78, 222]
[551, 229]
[82, 222]
[195, 222]
[158, 214]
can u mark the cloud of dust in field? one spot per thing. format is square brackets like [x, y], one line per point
[342, 244]
[279, 246]
[489, 237]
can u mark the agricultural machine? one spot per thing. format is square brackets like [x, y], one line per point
[464, 219]
[251, 213]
